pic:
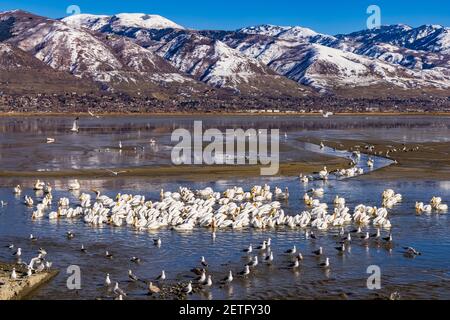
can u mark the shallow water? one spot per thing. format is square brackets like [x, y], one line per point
[426, 276]
[23, 140]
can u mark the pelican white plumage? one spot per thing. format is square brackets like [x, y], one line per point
[17, 189]
[74, 185]
[39, 185]
[323, 174]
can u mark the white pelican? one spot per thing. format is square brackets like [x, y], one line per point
[17, 189]
[74, 185]
[39, 185]
[323, 173]
[303, 178]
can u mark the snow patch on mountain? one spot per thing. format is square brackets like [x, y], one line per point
[122, 20]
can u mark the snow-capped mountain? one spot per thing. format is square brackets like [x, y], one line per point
[430, 38]
[110, 61]
[122, 20]
[23, 73]
[205, 59]
[147, 54]
[294, 33]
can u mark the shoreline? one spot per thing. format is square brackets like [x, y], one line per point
[216, 171]
[215, 113]
[428, 162]
[24, 285]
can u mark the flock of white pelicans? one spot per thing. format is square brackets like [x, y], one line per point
[259, 208]
[184, 210]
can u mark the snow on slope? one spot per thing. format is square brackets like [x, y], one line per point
[108, 60]
[122, 20]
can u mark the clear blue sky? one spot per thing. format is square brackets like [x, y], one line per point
[321, 15]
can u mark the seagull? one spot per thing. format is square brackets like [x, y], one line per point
[208, 281]
[119, 291]
[263, 246]
[92, 114]
[376, 235]
[313, 235]
[83, 249]
[13, 274]
[107, 280]
[188, 288]
[411, 251]
[245, 272]
[108, 255]
[50, 140]
[341, 248]
[115, 173]
[269, 258]
[157, 242]
[356, 230]
[318, 252]
[292, 251]
[42, 252]
[366, 236]
[203, 262]
[197, 271]
[18, 253]
[70, 235]
[300, 256]
[132, 276]
[229, 278]
[3, 203]
[135, 260]
[254, 262]
[348, 238]
[153, 289]
[48, 265]
[32, 238]
[248, 250]
[296, 263]
[202, 278]
[325, 264]
[388, 238]
[75, 127]
[10, 246]
[162, 276]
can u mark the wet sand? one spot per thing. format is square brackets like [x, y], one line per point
[189, 172]
[24, 285]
